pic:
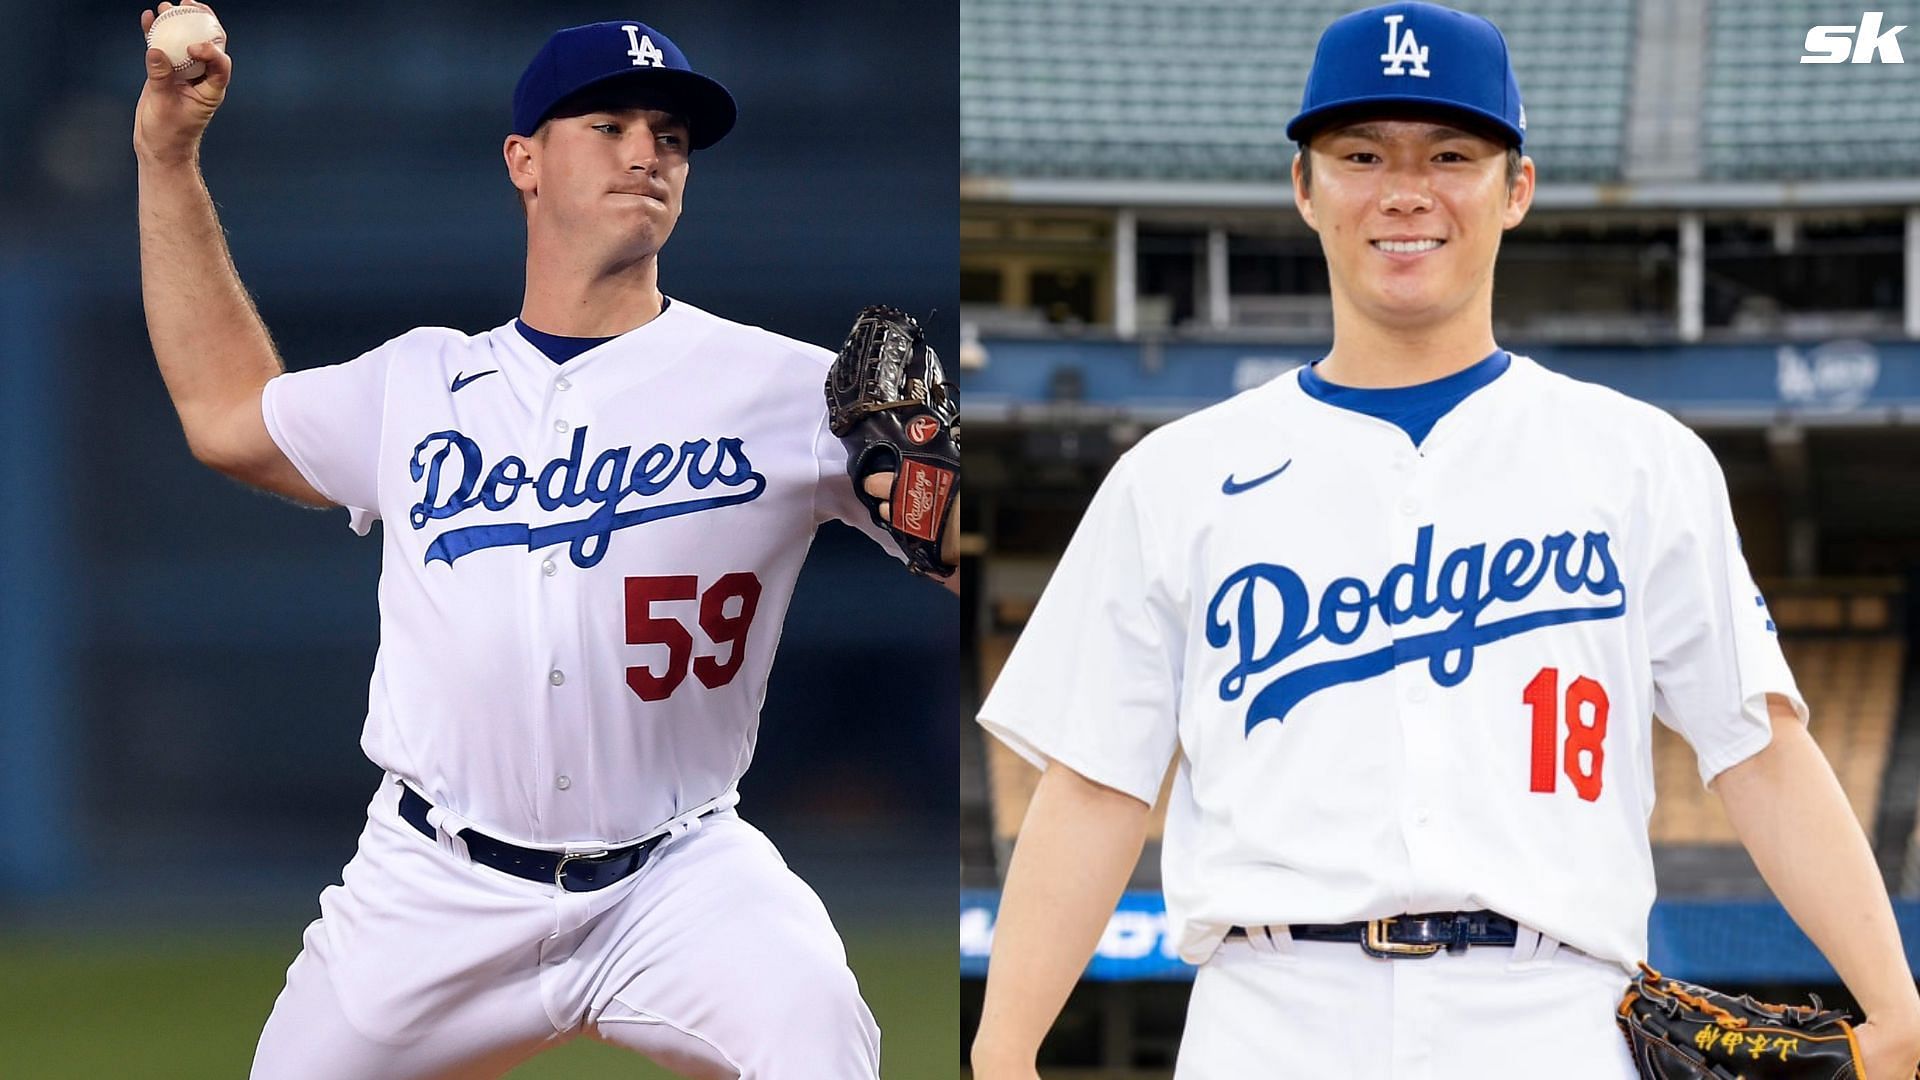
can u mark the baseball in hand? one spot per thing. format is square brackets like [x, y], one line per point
[176, 28]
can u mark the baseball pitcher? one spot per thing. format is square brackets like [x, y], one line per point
[592, 519]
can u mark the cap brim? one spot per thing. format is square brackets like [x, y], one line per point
[1304, 127]
[705, 105]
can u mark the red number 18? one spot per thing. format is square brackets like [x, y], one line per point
[1586, 732]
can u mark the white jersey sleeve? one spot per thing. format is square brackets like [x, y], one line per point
[1094, 680]
[836, 499]
[1714, 650]
[328, 420]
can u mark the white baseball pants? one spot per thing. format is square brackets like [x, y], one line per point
[1280, 1009]
[714, 960]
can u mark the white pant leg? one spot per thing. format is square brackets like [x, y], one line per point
[308, 1037]
[420, 966]
[1502, 1020]
[1288, 1012]
[1314, 1010]
[723, 963]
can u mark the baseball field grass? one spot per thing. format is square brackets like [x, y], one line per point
[190, 1005]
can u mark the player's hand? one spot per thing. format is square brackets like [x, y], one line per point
[880, 485]
[1889, 1054]
[172, 115]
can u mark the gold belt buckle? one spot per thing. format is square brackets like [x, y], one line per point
[1378, 945]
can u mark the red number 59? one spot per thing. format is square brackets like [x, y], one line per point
[1586, 732]
[724, 628]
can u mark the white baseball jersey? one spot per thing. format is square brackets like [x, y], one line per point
[585, 565]
[1402, 680]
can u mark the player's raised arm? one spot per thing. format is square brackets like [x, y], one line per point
[213, 350]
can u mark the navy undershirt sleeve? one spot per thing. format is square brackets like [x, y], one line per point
[561, 349]
[1413, 409]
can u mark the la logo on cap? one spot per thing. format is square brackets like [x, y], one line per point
[641, 47]
[1403, 49]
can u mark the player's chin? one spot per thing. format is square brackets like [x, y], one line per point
[1409, 308]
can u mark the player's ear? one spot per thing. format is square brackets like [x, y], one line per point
[522, 169]
[1519, 195]
[1302, 199]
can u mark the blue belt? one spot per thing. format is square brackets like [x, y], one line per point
[583, 872]
[1411, 935]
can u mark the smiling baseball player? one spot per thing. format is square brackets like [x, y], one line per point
[1402, 620]
[593, 519]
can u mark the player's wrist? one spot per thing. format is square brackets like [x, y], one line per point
[1000, 1053]
[167, 156]
[994, 1066]
[1900, 1025]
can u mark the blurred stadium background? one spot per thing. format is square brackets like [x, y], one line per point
[1720, 230]
[185, 663]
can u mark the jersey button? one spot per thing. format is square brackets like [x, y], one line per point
[560, 426]
[563, 783]
[562, 384]
[1409, 507]
[556, 676]
[1415, 693]
[548, 568]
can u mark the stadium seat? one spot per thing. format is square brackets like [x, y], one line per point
[1765, 117]
[1852, 687]
[1067, 75]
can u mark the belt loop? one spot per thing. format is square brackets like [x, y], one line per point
[447, 827]
[1274, 940]
[1532, 948]
[694, 820]
[1526, 942]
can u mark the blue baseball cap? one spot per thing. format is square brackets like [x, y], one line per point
[627, 58]
[1413, 55]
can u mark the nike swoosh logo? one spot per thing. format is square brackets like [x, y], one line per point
[1235, 487]
[460, 380]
